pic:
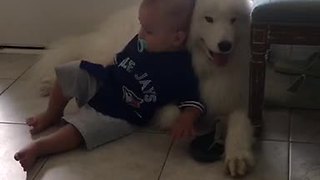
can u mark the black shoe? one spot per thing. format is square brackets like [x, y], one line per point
[204, 149]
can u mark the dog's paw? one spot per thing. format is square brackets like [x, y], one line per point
[46, 86]
[238, 163]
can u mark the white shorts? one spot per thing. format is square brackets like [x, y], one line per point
[95, 127]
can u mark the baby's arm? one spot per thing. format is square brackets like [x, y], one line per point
[184, 124]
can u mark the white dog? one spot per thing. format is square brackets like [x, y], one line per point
[219, 41]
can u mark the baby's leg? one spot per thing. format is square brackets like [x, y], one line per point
[53, 114]
[66, 138]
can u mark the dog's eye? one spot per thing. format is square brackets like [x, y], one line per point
[233, 20]
[209, 19]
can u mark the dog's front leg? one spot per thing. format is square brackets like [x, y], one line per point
[238, 147]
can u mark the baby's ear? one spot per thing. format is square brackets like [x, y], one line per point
[180, 38]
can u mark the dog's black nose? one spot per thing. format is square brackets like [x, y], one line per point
[224, 46]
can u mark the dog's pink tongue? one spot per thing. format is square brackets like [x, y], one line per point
[220, 59]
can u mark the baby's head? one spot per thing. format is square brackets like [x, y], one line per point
[165, 23]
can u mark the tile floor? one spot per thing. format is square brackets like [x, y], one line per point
[288, 149]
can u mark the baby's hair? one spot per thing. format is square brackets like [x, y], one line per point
[178, 12]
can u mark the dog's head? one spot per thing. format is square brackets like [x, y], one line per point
[217, 26]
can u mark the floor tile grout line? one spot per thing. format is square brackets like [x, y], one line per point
[289, 145]
[27, 69]
[290, 111]
[5, 89]
[42, 165]
[15, 80]
[12, 123]
[286, 141]
[289, 160]
[165, 160]
[273, 140]
[301, 142]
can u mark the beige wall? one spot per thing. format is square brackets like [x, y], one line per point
[38, 22]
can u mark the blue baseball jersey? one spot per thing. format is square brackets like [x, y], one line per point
[139, 83]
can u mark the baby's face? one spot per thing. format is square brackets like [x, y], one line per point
[156, 30]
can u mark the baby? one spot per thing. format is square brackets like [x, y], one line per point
[152, 71]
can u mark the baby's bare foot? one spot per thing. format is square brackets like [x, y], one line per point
[27, 156]
[41, 122]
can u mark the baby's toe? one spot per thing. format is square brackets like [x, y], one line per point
[17, 156]
[30, 121]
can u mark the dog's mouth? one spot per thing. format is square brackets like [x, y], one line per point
[220, 59]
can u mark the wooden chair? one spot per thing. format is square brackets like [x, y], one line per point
[291, 22]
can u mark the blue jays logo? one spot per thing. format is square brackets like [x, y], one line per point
[130, 98]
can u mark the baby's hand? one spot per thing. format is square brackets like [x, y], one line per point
[183, 128]
[184, 124]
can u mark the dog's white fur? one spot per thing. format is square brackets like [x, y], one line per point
[224, 89]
